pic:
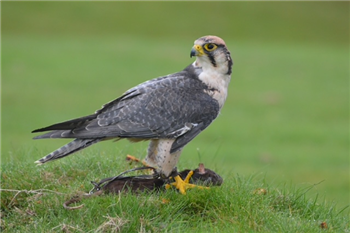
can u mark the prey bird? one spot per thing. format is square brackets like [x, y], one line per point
[168, 111]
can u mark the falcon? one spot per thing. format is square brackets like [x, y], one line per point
[168, 111]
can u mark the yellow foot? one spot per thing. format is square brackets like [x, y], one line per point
[183, 185]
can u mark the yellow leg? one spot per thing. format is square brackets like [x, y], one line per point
[183, 185]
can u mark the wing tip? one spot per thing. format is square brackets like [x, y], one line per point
[39, 130]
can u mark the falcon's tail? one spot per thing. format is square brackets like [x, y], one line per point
[68, 149]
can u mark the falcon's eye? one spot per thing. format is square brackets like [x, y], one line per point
[210, 47]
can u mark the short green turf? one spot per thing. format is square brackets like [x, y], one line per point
[33, 198]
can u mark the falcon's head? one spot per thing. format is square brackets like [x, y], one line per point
[211, 52]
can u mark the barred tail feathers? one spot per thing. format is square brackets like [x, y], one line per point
[70, 148]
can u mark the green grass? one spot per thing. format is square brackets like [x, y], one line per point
[235, 206]
[286, 119]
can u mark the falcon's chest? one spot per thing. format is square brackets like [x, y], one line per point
[218, 85]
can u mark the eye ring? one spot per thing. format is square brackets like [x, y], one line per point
[210, 47]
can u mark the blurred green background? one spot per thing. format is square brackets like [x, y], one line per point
[287, 114]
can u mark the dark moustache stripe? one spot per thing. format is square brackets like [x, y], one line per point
[212, 59]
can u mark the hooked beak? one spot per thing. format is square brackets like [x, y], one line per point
[196, 51]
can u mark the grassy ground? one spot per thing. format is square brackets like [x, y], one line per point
[286, 119]
[236, 206]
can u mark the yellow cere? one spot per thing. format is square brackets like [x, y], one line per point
[199, 49]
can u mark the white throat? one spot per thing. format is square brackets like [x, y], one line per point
[215, 78]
